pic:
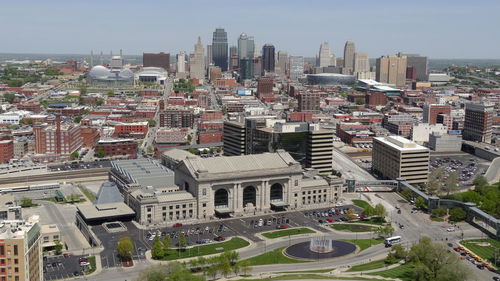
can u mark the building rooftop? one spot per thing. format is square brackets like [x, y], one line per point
[401, 143]
[18, 229]
[108, 193]
[145, 172]
[90, 212]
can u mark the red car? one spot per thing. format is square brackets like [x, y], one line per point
[66, 255]
[178, 224]
[219, 238]
[283, 226]
[361, 217]
[329, 220]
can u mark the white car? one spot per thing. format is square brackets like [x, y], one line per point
[153, 236]
[450, 229]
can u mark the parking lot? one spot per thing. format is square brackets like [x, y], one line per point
[60, 267]
[468, 167]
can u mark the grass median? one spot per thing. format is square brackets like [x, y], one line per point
[361, 203]
[309, 277]
[364, 244]
[273, 257]
[208, 249]
[485, 248]
[287, 232]
[403, 272]
[352, 227]
[369, 266]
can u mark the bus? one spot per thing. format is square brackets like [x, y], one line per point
[392, 240]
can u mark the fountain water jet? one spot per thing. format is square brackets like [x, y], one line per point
[321, 245]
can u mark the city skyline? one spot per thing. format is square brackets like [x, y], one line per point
[409, 28]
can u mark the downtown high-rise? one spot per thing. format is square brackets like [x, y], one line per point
[246, 46]
[325, 56]
[349, 51]
[197, 63]
[220, 49]
[268, 58]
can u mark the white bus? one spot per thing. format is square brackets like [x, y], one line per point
[392, 240]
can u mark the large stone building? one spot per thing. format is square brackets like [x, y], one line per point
[203, 188]
[478, 122]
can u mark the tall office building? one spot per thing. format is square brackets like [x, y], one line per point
[156, 60]
[219, 48]
[431, 112]
[282, 67]
[478, 122]
[21, 250]
[257, 67]
[361, 63]
[392, 70]
[420, 65]
[325, 56]
[349, 51]
[210, 58]
[246, 69]
[197, 63]
[397, 157]
[233, 57]
[268, 58]
[246, 46]
[181, 62]
[296, 67]
[234, 138]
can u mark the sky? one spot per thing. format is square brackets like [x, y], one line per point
[437, 28]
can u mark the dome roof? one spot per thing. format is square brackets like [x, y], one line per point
[99, 72]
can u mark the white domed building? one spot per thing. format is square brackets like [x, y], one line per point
[102, 76]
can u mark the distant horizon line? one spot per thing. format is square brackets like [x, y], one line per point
[81, 54]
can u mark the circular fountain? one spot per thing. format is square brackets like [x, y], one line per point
[320, 247]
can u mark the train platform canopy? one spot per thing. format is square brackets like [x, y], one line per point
[99, 213]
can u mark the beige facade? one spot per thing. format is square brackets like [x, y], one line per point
[50, 234]
[397, 157]
[392, 70]
[20, 251]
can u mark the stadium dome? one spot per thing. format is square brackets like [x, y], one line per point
[126, 74]
[99, 72]
[330, 79]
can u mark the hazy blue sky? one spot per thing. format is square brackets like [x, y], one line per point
[437, 28]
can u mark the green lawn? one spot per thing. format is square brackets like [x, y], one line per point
[209, 249]
[360, 203]
[91, 268]
[287, 232]
[273, 257]
[369, 266]
[309, 276]
[403, 272]
[376, 221]
[310, 271]
[364, 244]
[438, 219]
[352, 227]
[485, 252]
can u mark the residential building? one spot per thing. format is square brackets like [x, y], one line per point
[59, 139]
[156, 60]
[6, 150]
[309, 102]
[177, 117]
[116, 147]
[136, 130]
[478, 122]
[397, 157]
[20, 250]
[220, 49]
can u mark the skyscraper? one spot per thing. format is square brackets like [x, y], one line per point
[197, 64]
[361, 63]
[233, 57]
[268, 58]
[210, 58]
[325, 56]
[181, 62]
[156, 60]
[392, 70]
[349, 51]
[219, 48]
[296, 67]
[245, 46]
[478, 122]
[282, 67]
[246, 69]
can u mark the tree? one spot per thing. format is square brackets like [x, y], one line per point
[157, 251]
[101, 153]
[368, 211]
[167, 244]
[182, 243]
[83, 89]
[125, 248]
[26, 202]
[380, 211]
[351, 215]
[407, 194]
[73, 198]
[151, 123]
[110, 93]
[396, 254]
[173, 271]
[457, 214]
[245, 267]
[480, 181]
[433, 261]
[75, 155]
[451, 183]
[9, 97]
[99, 102]
[420, 203]
[189, 138]
[385, 231]
[438, 213]
[77, 119]
[58, 247]
[434, 183]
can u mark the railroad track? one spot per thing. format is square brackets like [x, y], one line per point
[66, 175]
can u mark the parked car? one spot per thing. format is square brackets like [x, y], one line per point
[219, 238]
[282, 226]
[329, 220]
[66, 255]
[177, 224]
